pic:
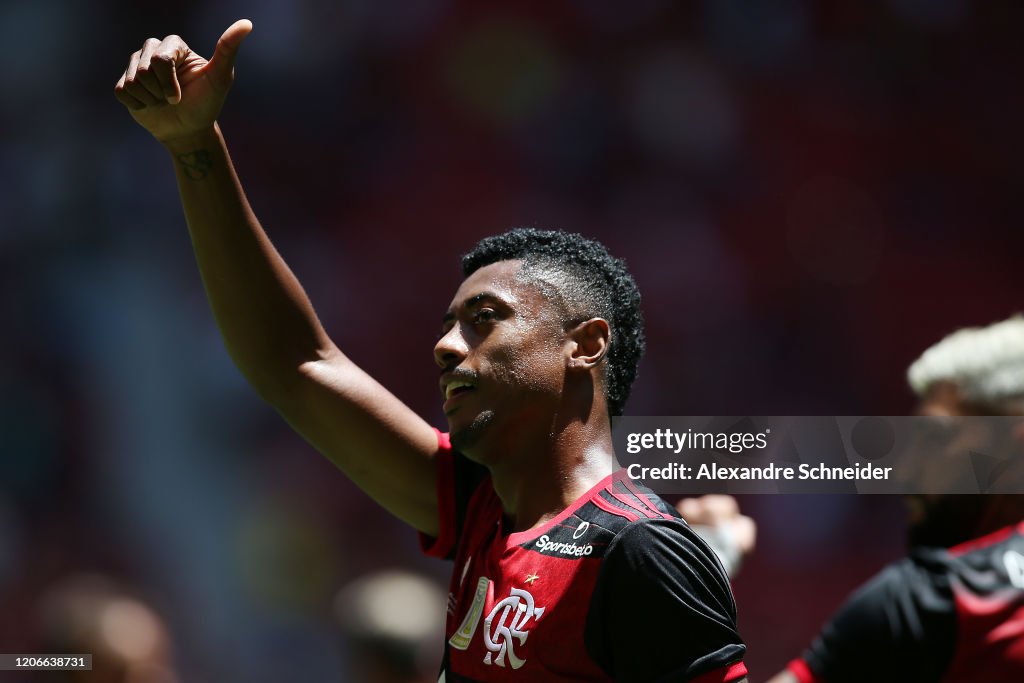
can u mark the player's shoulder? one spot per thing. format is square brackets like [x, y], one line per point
[991, 547]
[990, 564]
[620, 507]
[925, 579]
[899, 593]
[627, 501]
[667, 542]
[645, 531]
[587, 531]
[617, 516]
[997, 554]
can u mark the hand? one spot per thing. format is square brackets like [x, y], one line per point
[718, 520]
[173, 92]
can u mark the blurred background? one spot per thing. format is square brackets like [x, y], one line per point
[808, 195]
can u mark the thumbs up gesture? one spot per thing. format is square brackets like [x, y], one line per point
[172, 91]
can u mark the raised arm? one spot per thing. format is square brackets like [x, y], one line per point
[267, 321]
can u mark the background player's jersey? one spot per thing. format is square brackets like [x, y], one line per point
[615, 588]
[954, 616]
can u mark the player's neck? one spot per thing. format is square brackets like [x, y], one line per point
[552, 469]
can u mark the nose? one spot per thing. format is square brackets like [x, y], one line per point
[450, 349]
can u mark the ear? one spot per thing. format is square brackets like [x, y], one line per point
[588, 342]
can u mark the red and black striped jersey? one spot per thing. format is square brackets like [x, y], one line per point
[615, 588]
[940, 615]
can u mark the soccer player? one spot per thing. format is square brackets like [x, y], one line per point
[563, 569]
[953, 610]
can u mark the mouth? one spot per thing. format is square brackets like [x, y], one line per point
[456, 387]
[454, 397]
[453, 390]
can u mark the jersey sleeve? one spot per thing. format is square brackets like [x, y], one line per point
[457, 479]
[662, 609]
[898, 627]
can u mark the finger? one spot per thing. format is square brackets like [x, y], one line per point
[167, 56]
[133, 65]
[145, 74]
[222, 63]
[124, 97]
[131, 82]
[161, 65]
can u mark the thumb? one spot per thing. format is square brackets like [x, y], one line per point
[222, 63]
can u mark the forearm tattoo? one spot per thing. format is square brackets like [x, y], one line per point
[196, 164]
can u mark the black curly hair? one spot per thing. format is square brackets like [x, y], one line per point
[588, 282]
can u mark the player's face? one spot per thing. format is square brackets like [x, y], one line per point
[942, 520]
[501, 359]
